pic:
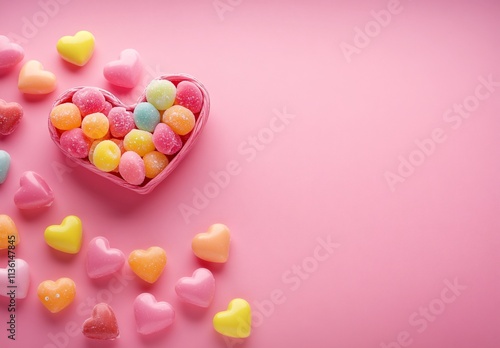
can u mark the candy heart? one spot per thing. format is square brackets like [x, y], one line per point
[148, 264]
[56, 296]
[4, 165]
[33, 192]
[213, 245]
[198, 289]
[15, 283]
[34, 80]
[103, 260]
[236, 321]
[125, 72]
[8, 232]
[102, 324]
[152, 316]
[10, 53]
[150, 183]
[10, 116]
[76, 49]
[66, 237]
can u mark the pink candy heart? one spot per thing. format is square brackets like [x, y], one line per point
[33, 192]
[10, 116]
[152, 316]
[198, 289]
[125, 72]
[18, 283]
[103, 260]
[10, 54]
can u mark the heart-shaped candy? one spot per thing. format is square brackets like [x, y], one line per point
[10, 116]
[102, 324]
[198, 289]
[103, 260]
[125, 72]
[66, 237]
[77, 49]
[8, 232]
[10, 53]
[56, 296]
[33, 192]
[4, 165]
[213, 245]
[152, 316]
[33, 79]
[15, 279]
[148, 264]
[173, 160]
[236, 321]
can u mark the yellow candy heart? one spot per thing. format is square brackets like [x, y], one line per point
[76, 49]
[66, 237]
[236, 321]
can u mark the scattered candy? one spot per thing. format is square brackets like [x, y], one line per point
[125, 72]
[10, 116]
[8, 232]
[75, 143]
[213, 245]
[148, 264]
[4, 165]
[19, 284]
[152, 316]
[132, 168]
[10, 54]
[166, 140]
[56, 296]
[103, 260]
[154, 163]
[139, 141]
[102, 324]
[66, 237]
[66, 116]
[77, 49]
[198, 289]
[107, 156]
[146, 117]
[236, 321]
[33, 193]
[161, 93]
[121, 121]
[95, 126]
[33, 79]
[180, 119]
[89, 100]
[189, 96]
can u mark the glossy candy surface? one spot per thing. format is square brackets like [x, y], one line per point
[10, 117]
[33, 192]
[66, 237]
[198, 289]
[126, 71]
[213, 245]
[77, 49]
[152, 316]
[102, 324]
[236, 321]
[56, 295]
[33, 79]
[148, 264]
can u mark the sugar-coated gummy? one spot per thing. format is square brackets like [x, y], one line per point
[107, 156]
[121, 121]
[89, 100]
[189, 96]
[66, 116]
[75, 143]
[146, 116]
[161, 93]
[131, 168]
[154, 163]
[180, 119]
[95, 125]
[166, 140]
[139, 141]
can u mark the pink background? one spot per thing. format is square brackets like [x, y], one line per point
[322, 176]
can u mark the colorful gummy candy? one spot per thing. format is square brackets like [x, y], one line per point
[8, 232]
[66, 237]
[10, 117]
[56, 296]
[148, 264]
[152, 316]
[5, 165]
[33, 192]
[102, 325]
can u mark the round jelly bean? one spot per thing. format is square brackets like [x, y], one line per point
[66, 116]
[139, 141]
[132, 168]
[161, 93]
[95, 125]
[180, 119]
[89, 100]
[121, 121]
[10, 116]
[56, 296]
[189, 96]
[154, 163]
[75, 143]
[166, 140]
[146, 116]
[106, 156]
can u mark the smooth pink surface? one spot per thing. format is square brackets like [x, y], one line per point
[152, 316]
[103, 260]
[126, 71]
[10, 54]
[198, 289]
[33, 192]
[19, 285]
[293, 159]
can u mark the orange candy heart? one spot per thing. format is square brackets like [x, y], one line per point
[213, 245]
[8, 232]
[56, 296]
[148, 264]
[33, 79]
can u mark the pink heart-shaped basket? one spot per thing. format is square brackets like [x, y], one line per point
[188, 140]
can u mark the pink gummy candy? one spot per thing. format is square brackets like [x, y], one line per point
[103, 260]
[132, 168]
[89, 100]
[125, 72]
[166, 140]
[198, 289]
[33, 192]
[75, 143]
[10, 54]
[152, 316]
[189, 96]
[121, 122]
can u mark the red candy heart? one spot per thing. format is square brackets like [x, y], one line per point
[174, 160]
[10, 116]
[102, 325]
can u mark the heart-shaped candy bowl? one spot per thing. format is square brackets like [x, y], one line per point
[140, 144]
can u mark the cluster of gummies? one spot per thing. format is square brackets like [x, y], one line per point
[135, 144]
